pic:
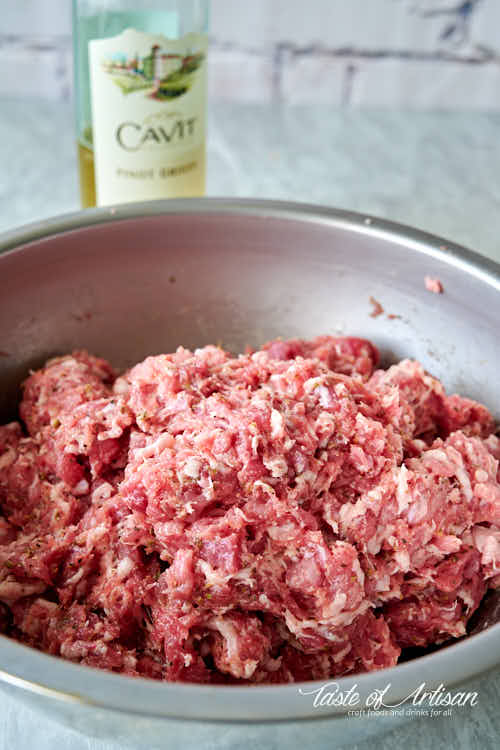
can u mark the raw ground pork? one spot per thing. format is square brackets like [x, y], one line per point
[288, 514]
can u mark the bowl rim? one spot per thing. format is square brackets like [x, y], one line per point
[53, 677]
[369, 225]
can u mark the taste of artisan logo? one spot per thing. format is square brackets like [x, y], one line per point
[161, 74]
[422, 702]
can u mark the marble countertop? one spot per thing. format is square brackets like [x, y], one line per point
[439, 172]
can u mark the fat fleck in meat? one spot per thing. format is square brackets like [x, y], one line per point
[287, 514]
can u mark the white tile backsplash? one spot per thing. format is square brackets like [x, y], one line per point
[36, 67]
[421, 54]
[240, 76]
[307, 78]
[36, 17]
[426, 85]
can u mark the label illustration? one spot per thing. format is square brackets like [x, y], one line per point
[163, 74]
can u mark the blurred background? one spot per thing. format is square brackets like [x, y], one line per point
[389, 107]
[427, 54]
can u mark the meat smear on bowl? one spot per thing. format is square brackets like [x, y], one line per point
[288, 514]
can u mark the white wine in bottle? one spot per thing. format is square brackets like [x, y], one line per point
[140, 91]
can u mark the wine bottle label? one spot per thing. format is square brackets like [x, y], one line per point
[148, 97]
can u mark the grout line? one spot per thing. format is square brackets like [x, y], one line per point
[350, 72]
[281, 49]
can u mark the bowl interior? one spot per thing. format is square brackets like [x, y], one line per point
[142, 285]
[127, 284]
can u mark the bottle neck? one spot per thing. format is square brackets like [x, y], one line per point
[192, 15]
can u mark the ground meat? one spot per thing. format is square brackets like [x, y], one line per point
[433, 285]
[287, 514]
[341, 354]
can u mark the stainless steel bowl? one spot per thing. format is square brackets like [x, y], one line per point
[140, 279]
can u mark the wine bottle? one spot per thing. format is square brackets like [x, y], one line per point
[140, 92]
